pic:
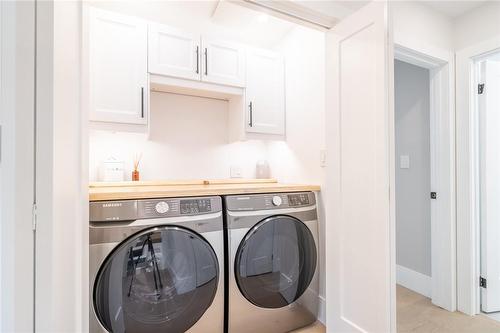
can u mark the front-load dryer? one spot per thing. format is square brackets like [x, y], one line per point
[157, 266]
[273, 261]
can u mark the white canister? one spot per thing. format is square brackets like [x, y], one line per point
[112, 170]
[262, 170]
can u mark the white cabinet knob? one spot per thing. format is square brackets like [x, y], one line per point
[277, 201]
[162, 207]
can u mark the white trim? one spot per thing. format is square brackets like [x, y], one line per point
[443, 219]
[413, 280]
[468, 291]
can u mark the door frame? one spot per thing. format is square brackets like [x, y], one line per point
[442, 156]
[468, 226]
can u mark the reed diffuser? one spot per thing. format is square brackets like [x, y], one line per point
[137, 161]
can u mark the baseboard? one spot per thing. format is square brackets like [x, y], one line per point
[418, 282]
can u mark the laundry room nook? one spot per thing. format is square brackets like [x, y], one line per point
[249, 166]
[205, 161]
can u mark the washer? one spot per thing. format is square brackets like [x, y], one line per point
[273, 251]
[157, 266]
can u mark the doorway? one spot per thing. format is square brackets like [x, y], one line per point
[424, 180]
[413, 177]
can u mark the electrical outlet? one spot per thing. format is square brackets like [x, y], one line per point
[235, 171]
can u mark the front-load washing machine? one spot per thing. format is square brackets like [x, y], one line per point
[273, 258]
[157, 266]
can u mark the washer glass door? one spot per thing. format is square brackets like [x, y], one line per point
[160, 280]
[275, 262]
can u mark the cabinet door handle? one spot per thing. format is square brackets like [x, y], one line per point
[197, 59]
[206, 61]
[142, 102]
[250, 109]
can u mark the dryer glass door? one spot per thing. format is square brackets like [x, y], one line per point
[275, 262]
[160, 280]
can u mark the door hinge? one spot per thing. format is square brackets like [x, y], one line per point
[480, 88]
[482, 282]
[33, 217]
[434, 195]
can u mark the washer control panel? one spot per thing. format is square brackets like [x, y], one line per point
[128, 210]
[195, 206]
[270, 201]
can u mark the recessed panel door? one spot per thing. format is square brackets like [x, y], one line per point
[360, 173]
[117, 64]
[174, 53]
[222, 62]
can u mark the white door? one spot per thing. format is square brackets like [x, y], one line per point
[360, 171]
[118, 74]
[222, 62]
[489, 132]
[174, 53]
[265, 92]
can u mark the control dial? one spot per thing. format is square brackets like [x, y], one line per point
[277, 201]
[162, 207]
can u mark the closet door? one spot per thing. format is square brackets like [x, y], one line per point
[222, 62]
[265, 92]
[118, 75]
[360, 173]
[173, 52]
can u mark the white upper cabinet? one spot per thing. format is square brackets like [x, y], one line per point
[173, 52]
[117, 68]
[222, 62]
[265, 92]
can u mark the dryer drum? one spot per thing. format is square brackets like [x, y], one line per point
[276, 262]
[162, 279]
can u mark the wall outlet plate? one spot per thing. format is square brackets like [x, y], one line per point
[235, 171]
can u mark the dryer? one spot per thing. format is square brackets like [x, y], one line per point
[273, 262]
[157, 265]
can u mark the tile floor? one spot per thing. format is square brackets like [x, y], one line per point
[416, 314]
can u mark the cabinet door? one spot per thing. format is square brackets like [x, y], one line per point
[223, 63]
[173, 53]
[118, 78]
[265, 93]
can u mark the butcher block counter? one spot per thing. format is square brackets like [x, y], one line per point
[101, 191]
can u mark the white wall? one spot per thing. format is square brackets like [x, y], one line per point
[419, 27]
[478, 25]
[188, 140]
[412, 125]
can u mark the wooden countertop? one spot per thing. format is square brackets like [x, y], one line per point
[165, 189]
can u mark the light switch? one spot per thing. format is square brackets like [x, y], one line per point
[322, 158]
[404, 161]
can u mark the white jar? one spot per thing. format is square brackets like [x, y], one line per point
[262, 170]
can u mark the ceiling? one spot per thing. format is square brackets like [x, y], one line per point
[340, 9]
[454, 9]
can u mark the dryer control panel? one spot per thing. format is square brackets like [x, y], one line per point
[270, 201]
[128, 210]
